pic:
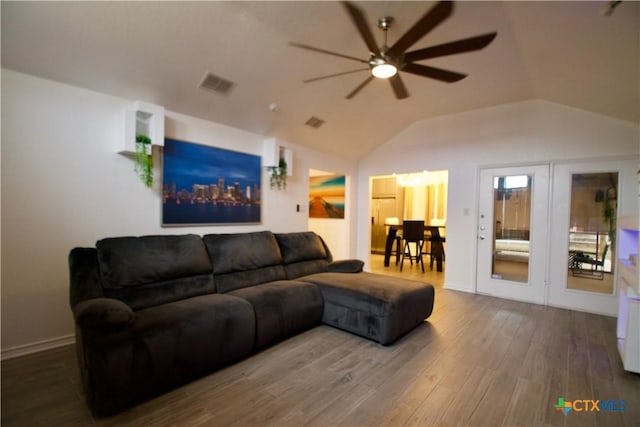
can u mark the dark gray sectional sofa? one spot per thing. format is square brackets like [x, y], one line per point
[154, 312]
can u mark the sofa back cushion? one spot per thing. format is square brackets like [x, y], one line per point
[244, 259]
[151, 270]
[303, 253]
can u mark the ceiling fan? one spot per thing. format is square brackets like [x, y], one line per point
[385, 62]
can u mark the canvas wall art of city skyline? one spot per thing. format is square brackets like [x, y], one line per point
[209, 185]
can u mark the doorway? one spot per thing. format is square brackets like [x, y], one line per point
[407, 196]
[512, 230]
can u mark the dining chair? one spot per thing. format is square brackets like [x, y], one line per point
[388, 222]
[412, 233]
[435, 247]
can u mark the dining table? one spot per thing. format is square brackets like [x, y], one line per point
[432, 235]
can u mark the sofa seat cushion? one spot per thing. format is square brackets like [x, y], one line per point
[165, 346]
[381, 308]
[158, 293]
[282, 308]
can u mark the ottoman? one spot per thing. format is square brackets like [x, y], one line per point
[374, 306]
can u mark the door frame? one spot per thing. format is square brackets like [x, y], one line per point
[557, 241]
[534, 290]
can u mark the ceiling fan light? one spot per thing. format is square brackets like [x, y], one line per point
[384, 71]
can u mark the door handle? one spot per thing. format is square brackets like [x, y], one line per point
[481, 237]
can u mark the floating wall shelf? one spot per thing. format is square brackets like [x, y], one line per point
[274, 151]
[142, 118]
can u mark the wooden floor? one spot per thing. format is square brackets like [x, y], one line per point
[478, 361]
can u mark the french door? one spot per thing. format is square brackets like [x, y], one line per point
[587, 199]
[512, 232]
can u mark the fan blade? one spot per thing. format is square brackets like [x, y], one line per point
[428, 22]
[398, 87]
[433, 73]
[315, 49]
[360, 86]
[334, 75]
[358, 18]
[451, 48]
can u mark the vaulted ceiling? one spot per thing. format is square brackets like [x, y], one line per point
[159, 52]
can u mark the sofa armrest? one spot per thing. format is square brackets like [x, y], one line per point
[346, 266]
[103, 313]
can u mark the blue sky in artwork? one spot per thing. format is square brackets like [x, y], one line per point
[187, 164]
[329, 181]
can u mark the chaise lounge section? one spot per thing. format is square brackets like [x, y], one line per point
[155, 312]
[370, 305]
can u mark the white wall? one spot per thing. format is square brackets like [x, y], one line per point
[341, 244]
[336, 232]
[520, 133]
[64, 185]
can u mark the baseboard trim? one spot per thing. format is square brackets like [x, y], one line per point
[36, 347]
[451, 287]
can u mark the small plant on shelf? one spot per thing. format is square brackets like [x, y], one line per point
[144, 160]
[279, 175]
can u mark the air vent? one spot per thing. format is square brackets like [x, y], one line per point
[217, 84]
[314, 122]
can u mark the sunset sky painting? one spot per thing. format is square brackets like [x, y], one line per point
[326, 196]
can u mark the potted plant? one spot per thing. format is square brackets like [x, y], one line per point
[609, 212]
[144, 159]
[279, 175]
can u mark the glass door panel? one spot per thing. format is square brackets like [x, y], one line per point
[512, 216]
[587, 198]
[592, 231]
